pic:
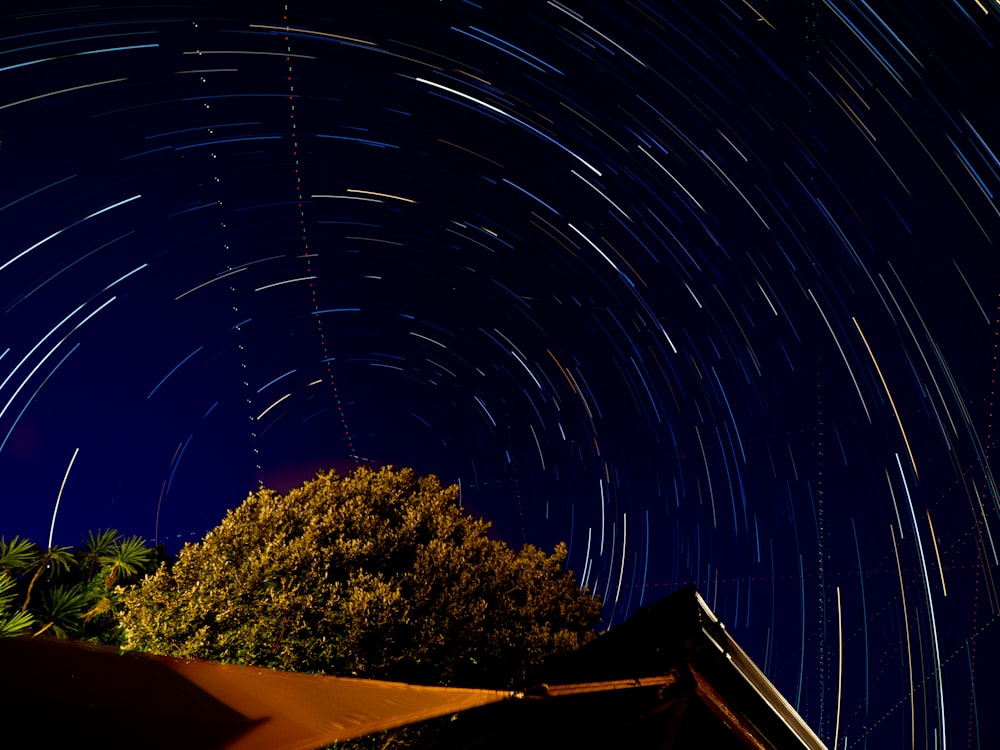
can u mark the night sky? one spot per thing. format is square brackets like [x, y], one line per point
[707, 290]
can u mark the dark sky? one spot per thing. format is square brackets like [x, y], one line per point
[707, 290]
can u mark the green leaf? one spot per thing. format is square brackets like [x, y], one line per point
[101, 543]
[126, 557]
[15, 624]
[18, 555]
[62, 608]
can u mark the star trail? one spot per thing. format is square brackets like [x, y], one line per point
[709, 291]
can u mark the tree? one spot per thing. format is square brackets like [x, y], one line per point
[13, 620]
[69, 592]
[61, 608]
[51, 562]
[376, 574]
[107, 563]
[17, 557]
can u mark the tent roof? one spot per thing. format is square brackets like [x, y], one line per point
[165, 702]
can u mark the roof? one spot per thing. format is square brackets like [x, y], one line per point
[166, 702]
[669, 677]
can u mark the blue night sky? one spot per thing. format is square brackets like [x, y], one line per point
[707, 290]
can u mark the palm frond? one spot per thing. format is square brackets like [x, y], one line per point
[50, 561]
[16, 624]
[62, 608]
[101, 543]
[17, 555]
[8, 591]
[128, 558]
[56, 558]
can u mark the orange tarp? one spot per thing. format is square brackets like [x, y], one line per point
[67, 688]
[302, 711]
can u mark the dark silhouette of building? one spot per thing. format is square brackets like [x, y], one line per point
[669, 677]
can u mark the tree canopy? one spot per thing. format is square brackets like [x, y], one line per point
[377, 574]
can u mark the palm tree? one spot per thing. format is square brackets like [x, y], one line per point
[96, 548]
[69, 592]
[52, 559]
[20, 556]
[126, 557]
[17, 556]
[120, 560]
[62, 608]
[12, 621]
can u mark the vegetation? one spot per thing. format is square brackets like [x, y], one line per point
[375, 574]
[70, 592]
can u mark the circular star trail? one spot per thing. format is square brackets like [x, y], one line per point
[710, 293]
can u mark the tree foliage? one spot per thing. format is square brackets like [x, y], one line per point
[66, 591]
[375, 574]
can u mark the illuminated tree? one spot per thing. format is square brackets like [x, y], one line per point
[376, 574]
